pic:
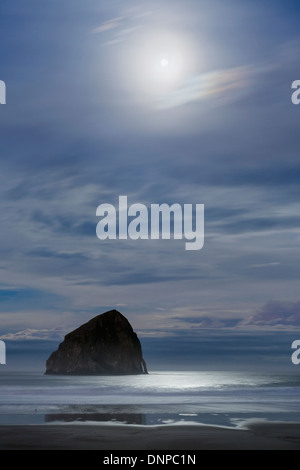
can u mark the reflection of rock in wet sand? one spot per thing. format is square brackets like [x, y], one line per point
[127, 418]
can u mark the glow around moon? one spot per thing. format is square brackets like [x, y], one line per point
[160, 64]
[164, 63]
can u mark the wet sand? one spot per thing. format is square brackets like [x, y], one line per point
[257, 436]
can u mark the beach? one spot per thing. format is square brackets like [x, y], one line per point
[161, 411]
[257, 436]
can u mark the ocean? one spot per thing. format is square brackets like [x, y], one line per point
[229, 399]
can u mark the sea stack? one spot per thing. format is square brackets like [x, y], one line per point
[105, 345]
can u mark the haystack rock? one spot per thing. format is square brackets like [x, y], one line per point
[106, 345]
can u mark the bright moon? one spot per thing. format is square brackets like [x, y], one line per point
[159, 65]
[164, 63]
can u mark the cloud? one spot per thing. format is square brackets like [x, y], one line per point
[219, 86]
[109, 25]
[63, 223]
[258, 224]
[33, 334]
[275, 314]
[272, 316]
[83, 140]
[188, 322]
[117, 29]
[264, 265]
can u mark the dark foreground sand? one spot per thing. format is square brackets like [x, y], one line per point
[266, 436]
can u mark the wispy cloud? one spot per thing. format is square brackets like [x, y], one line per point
[119, 28]
[275, 314]
[109, 25]
[221, 86]
[264, 265]
[35, 334]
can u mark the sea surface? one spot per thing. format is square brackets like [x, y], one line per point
[228, 399]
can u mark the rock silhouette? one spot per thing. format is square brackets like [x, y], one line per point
[105, 345]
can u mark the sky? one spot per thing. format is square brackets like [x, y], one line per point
[165, 102]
